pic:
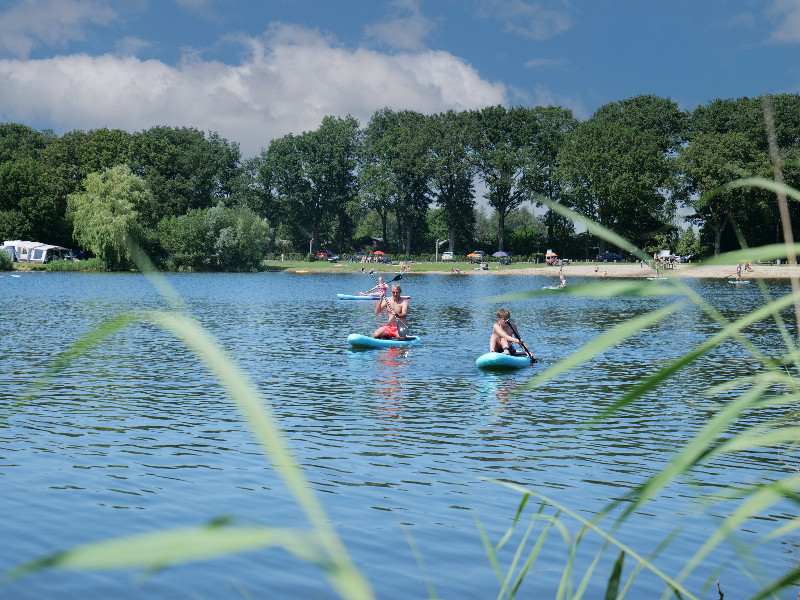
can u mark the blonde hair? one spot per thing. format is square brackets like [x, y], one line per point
[503, 314]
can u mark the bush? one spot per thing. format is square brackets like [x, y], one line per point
[90, 264]
[5, 262]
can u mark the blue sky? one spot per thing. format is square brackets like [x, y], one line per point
[256, 70]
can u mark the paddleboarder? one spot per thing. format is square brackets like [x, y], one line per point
[397, 308]
[502, 338]
[381, 288]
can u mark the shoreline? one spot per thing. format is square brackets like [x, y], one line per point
[640, 271]
[612, 270]
[625, 271]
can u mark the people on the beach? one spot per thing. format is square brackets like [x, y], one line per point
[397, 309]
[502, 338]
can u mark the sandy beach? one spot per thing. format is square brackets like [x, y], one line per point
[636, 270]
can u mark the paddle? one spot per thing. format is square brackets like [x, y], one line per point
[521, 343]
[402, 328]
[397, 278]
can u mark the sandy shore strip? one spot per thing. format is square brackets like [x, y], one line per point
[639, 270]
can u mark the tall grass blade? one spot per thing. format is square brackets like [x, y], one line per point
[173, 547]
[602, 342]
[612, 590]
[676, 365]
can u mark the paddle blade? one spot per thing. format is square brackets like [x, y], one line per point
[396, 278]
[402, 329]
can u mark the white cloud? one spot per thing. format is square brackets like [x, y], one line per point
[130, 46]
[529, 19]
[545, 62]
[543, 96]
[32, 23]
[786, 14]
[406, 31]
[291, 80]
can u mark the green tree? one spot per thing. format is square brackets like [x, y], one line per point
[502, 142]
[453, 172]
[336, 151]
[711, 160]
[27, 209]
[554, 127]
[753, 212]
[292, 189]
[105, 214]
[105, 148]
[257, 189]
[183, 168]
[396, 148]
[19, 141]
[187, 240]
[619, 167]
[688, 243]
[238, 238]
[6, 264]
[377, 191]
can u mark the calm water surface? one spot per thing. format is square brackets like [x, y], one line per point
[138, 436]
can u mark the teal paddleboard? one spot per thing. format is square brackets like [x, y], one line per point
[743, 281]
[365, 341]
[498, 360]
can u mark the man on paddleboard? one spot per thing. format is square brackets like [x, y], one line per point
[397, 308]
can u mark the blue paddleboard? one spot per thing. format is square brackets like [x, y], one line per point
[742, 281]
[498, 360]
[360, 297]
[366, 341]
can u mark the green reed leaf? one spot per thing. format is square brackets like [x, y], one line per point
[341, 572]
[676, 365]
[605, 340]
[173, 547]
[674, 584]
[77, 349]
[756, 501]
[604, 289]
[612, 589]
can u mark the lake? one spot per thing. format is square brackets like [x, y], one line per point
[137, 435]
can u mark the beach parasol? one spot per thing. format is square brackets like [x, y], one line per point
[500, 254]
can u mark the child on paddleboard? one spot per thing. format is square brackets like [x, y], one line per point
[397, 308]
[502, 339]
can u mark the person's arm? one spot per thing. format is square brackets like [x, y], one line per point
[502, 333]
[402, 309]
[379, 306]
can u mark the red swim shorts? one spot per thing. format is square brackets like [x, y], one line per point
[391, 330]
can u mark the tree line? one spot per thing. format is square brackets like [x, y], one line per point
[405, 181]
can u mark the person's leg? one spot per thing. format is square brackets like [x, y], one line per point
[494, 343]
